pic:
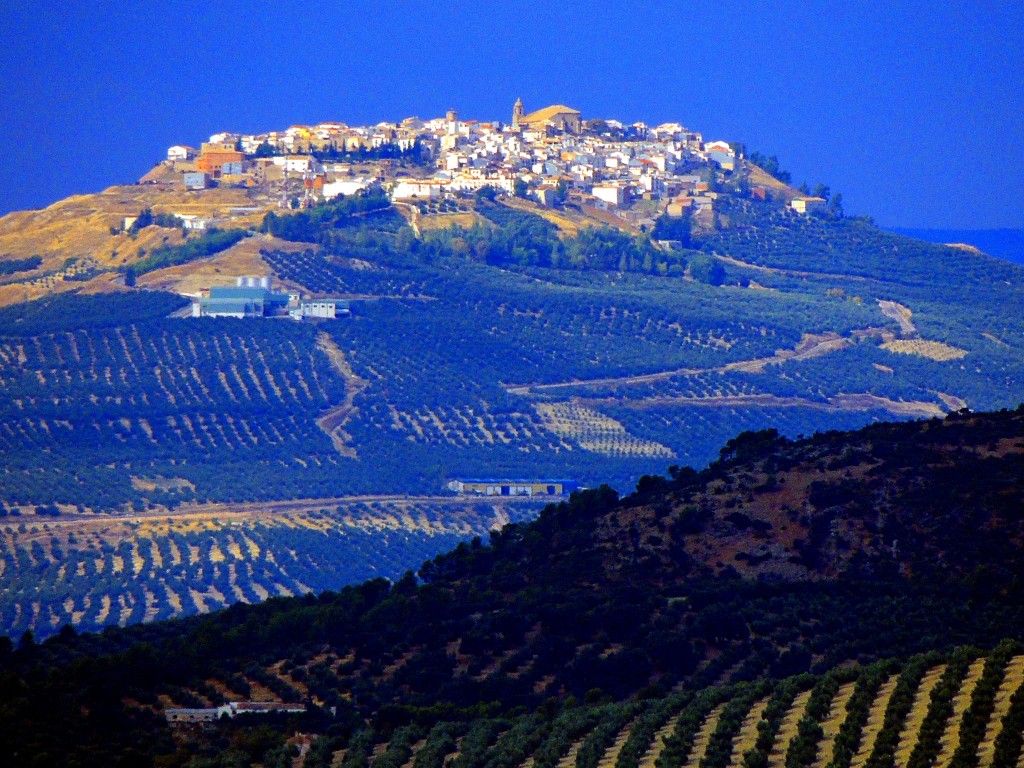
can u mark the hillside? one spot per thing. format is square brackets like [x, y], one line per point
[78, 240]
[489, 338]
[594, 356]
[1003, 243]
[838, 504]
[92, 571]
[622, 606]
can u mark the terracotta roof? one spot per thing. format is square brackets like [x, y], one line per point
[547, 113]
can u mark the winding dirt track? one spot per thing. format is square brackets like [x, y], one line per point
[811, 345]
[785, 272]
[841, 402]
[249, 509]
[334, 420]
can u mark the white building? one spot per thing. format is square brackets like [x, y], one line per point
[224, 138]
[468, 184]
[231, 709]
[408, 189]
[193, 222]
[251, 143]
[613, 194]
[345, 187]
[808, 204]
[180, 153]
[295, 163]
[327, 309]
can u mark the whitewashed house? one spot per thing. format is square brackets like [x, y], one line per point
[180, 153]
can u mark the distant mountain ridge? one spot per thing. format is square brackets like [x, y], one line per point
[1004, 243]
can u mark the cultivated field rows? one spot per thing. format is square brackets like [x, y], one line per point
[115, 570]
[446, 373]
[878, 723]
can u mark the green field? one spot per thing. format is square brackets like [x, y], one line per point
[452, 367]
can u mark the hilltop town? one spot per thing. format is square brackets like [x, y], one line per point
[633, 172]
[576, 173]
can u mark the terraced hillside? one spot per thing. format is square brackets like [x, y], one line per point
[691, 623]
[732, 727]
[92, 571]
[105, 404]
[509, 347]
[163, 410]
[622, 363]
[839, 720]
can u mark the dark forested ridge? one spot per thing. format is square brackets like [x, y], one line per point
[781, 558]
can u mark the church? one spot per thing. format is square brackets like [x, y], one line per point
[557, 116]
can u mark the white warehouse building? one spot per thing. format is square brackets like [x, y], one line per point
[326, 309]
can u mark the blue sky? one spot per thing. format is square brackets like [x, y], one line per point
[912, 110]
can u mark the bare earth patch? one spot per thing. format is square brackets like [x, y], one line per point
[241, 259]
[594, 431]
[933, 350]
[333, 422]
[901, 314]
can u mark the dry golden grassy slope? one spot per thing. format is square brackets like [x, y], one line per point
[568, 221]
[445, 220]
[760, 178]
[933, 350]
[965, 247]
[240, 259]
[79, 227]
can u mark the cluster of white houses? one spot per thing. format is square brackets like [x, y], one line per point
[181, 716]
[610, 163]
[256, 297]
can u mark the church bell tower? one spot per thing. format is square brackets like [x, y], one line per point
[517, 114]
